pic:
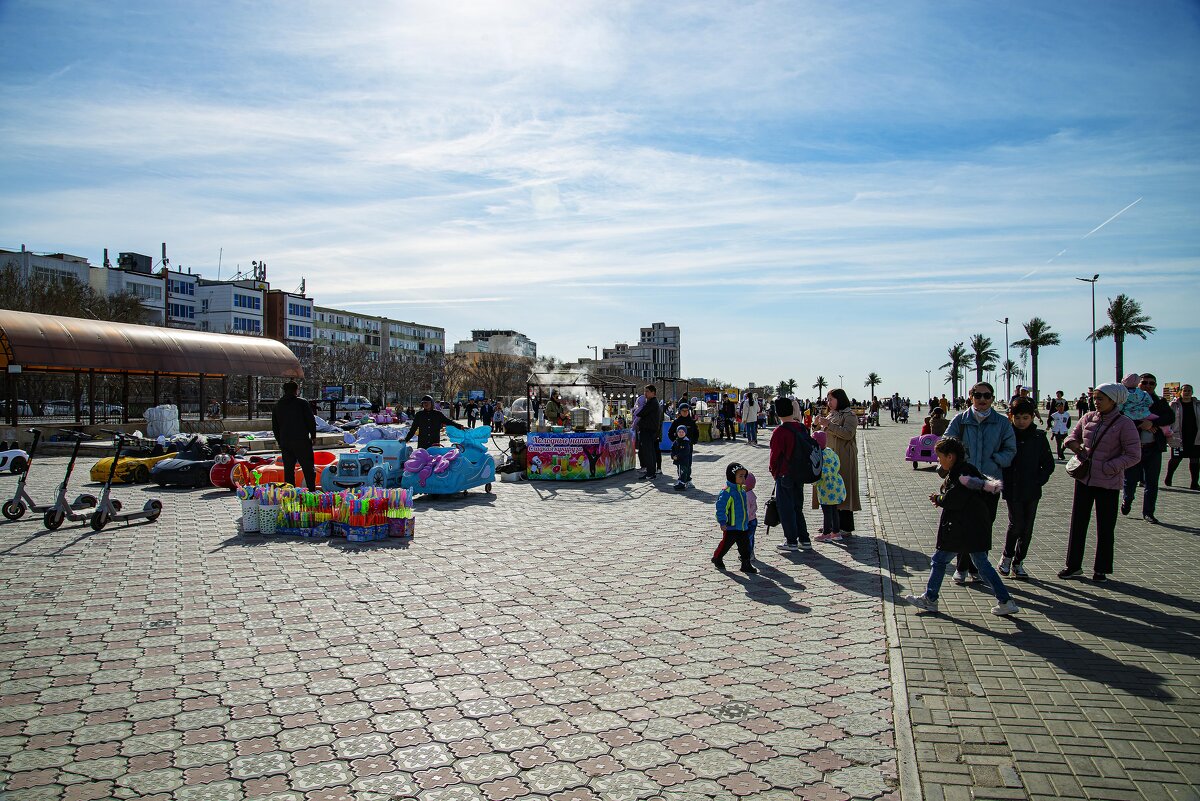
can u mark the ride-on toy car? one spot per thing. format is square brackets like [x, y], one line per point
[13, 460]
[920, 449]
[190, 466]
[445, 471]
[272, 471]
[139, 457]
[377, 464]
[231, 470]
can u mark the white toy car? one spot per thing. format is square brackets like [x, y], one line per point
[13, 460]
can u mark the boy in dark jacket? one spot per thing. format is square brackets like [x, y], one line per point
[965, 526]
[681, 455]
[1024, 478]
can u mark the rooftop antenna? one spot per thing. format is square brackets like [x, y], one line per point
[165, 260]
[220, 256]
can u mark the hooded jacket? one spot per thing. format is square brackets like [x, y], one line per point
[1031, 467]
[733, 511]
[966, 524]
[990, 443]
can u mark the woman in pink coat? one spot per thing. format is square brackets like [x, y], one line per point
[1109, 441]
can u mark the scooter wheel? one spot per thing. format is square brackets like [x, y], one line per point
[157, 507]
[18, 466]
[116, 504]
[13, 510]
[52, 519]
[99, 520]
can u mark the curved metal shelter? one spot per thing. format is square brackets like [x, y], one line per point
[44, 343]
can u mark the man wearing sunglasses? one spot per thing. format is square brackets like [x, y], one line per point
[991, 445]
[1154, 444]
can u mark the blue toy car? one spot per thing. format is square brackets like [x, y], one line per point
[444, 471]
[379, 464]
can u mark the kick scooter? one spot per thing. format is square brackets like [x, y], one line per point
[61, 510]
[109, 509]
[15, 509]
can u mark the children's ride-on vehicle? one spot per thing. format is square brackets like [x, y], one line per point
[13, 460]
[445, 471]
[189, 467]
[272, 471]
[920, 449]
[232, 470]
[379, 464]
[15, 508]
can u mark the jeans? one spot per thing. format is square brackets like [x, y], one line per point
[1105, 501]
[753, 527]
[741, 538]
[941, 560]
[965, 564]
[685, 470]
[791, 513]
[1021, 514]
[1147, 472]
[832, 519]
[752, 432]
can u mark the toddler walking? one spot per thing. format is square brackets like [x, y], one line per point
[751, 508]
[733, 516]
[965, 527]
[681, 455]
[829, 491]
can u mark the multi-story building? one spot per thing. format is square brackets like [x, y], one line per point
[289, 319]
[56, 266]
[231, 307]
[182, 299]
[133, 275]
[654, 357]
[334, 327]
[506, 342]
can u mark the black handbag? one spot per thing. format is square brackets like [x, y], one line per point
[771, 513]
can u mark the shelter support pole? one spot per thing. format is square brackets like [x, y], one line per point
[10, 414]
[201, 397]
[78, 399]
[155, 388]
[124, 397]
[179, 395]
[224, 394]
[249, 397]
[91, 397]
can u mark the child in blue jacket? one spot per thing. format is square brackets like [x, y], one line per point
[733, 516]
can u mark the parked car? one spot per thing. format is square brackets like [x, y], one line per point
[23, 408]
[60, 408]
[354, 403]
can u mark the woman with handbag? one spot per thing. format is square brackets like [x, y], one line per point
[1105, 443]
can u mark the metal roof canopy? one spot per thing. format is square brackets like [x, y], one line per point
[47, 343]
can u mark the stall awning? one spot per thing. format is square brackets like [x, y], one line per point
[46, 343]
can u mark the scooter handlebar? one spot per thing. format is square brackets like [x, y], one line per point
[79, 435]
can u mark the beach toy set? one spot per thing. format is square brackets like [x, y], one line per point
[363, 514]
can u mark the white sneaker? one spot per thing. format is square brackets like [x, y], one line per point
[1004, 566]
[788, 546]
[960, 577]
[1019, 571]
[1009, 607]
[922, 602]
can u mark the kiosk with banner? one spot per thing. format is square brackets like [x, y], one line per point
[595, 445]
[571, 456]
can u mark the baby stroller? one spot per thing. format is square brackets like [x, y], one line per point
[902, 415]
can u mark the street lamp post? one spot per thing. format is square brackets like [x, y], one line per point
[595, 352]
[1092, 281]
[1007, 374]
[928, 387]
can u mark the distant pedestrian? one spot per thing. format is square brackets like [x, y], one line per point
[751, 409]
[1060, 426]
[428, 423]
[472, 413]
[681, 455]
[1024, 478]
[498, 418]
[1185, 436]
[965, 526]
[729, 418]
[648, 430]
[733, 516]
[1108, 442]
[295, 431]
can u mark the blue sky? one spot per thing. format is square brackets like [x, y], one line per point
[805, 188]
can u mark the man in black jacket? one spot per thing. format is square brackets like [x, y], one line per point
[427, 425]
[1154, 443]
[649, 432]
[295, 431]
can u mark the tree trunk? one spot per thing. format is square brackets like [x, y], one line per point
[1120, 345]
[1033, 356]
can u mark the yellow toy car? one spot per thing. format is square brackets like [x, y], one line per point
[130, 470]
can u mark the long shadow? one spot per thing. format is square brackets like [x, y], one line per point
[768, 588]
[864, 582]
[1152, 595]
[1075, 659]
[1185, 529]
[1147, 633]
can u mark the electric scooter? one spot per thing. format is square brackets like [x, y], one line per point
[109, 509]
[61, 510]
[15, 509]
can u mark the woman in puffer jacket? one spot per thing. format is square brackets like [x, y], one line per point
[1109, 442]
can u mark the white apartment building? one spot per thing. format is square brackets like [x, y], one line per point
[183, 301]
[654, 357]
[507, 342]
[150, 289]
[231, 307]
[48, 265]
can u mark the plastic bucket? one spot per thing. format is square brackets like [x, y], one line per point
[268, 519]
[250, 516]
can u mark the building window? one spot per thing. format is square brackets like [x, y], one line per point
[247, 301]
[299, 331]
[182, 287]
[299, 310]
[145, 291]
[181, 311]
[247, 325]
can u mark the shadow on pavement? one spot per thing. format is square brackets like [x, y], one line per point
[1149, 628]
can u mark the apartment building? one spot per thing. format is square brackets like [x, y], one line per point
[289, 319]
[502, 341]
[232, 307]
[339, 327]
[654, 357]
[133, 274]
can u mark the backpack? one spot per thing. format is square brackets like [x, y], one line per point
[805, 465]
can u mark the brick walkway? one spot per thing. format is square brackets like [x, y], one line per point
[551, 641]
[1093, 691]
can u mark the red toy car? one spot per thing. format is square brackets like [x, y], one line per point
[233, 470]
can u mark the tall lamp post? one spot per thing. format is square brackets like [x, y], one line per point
[1092, 281]
[928, 387]
[1007, 375]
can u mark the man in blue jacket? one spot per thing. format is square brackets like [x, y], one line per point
[991, 445]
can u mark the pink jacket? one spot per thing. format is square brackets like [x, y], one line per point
[1118, 448]
[751, 500]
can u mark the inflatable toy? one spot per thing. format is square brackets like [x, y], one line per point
[445, 471]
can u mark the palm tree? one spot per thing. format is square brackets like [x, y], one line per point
[1037, 336]
[1125, 318]
[985, 355]
[1011, 370]
[820, 386]
[782, 389]
[791, 386]
[959, 360]
[873, 380]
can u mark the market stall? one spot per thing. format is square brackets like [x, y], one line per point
[588, 439]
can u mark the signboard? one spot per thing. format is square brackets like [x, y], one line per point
[475, 394]
[579, 457]
[332, 393]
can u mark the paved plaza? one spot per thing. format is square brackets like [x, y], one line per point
[572, 641]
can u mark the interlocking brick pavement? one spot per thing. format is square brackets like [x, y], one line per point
[554, 641]
[1090, 692]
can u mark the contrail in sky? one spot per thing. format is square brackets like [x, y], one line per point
[1097, 228]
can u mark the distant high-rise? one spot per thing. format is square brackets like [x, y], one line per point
[654, 357]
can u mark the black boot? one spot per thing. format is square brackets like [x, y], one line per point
[1172, 464]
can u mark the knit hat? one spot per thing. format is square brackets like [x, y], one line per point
[683, 405]
[1116, 392]
[1131, 381]
[821, 439]
[750, 480]
[731, 471]
[681, 430]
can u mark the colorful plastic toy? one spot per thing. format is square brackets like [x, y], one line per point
[13, 460]
[130, 470]
[445, 471]
[379, 464]
[272, 471]
[232, 470]
[920, 449]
